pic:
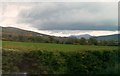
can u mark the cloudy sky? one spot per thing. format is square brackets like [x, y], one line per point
[62, 18]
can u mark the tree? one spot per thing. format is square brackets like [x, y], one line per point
[92, 41]
[51, 39]
[21, 38]
[83, 41]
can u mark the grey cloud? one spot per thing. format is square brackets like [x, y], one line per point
[70, 16]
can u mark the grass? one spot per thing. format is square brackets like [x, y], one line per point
[48, 58]
[27, 46]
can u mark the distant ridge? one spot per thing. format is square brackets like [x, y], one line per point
[12, 31]
[114, 37]
[86, 36]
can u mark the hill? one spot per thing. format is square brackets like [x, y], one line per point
[16, 32]
[113, 37]
[86, 36]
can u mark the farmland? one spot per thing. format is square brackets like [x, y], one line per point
[27, 46]
[51, 58]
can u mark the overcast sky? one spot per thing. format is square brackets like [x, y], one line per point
[62, 18]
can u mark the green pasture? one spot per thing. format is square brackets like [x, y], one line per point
[28, 46]
[48, 58]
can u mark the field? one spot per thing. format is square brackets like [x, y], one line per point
[48, 58]
[25, 46]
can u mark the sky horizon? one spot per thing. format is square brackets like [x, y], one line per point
[64, 33]
[62, 19]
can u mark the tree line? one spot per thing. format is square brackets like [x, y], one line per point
[61, 40]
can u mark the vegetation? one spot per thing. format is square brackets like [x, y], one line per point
[15, 34]
[35, 53]
[61, 40]
[46, 58]
[28, 46]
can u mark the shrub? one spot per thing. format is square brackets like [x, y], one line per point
[59, 62]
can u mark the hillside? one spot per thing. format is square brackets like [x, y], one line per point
[16, 32]
[114, 37]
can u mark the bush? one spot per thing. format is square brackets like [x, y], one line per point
[58, 62]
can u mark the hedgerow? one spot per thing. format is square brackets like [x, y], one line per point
[59, 62]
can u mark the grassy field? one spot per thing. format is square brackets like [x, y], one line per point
[27, 46]
[46, 58]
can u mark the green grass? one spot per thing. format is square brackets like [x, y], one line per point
[27, 46]
[48, 58]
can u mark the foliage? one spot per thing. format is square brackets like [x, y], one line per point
[40, 61]
[60, 40]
